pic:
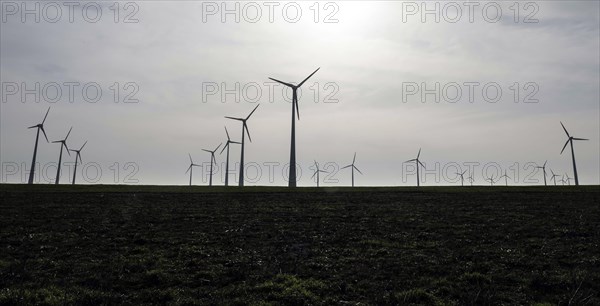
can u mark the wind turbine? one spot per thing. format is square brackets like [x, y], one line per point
[462, 178]
[353, 167]
[213, 160]
[63, 143]
[544, 169]
[39, 127]
[78, 155]
[317, 170]
[506, 177]
[570, 140]
[470, 179]
[562, 180]
[417, 162]
[491, 180]
[226, 146]
[553, 177]
[568, 179]
[244, 128]
[190, 169]
[295, 110]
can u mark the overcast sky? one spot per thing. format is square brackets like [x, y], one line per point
[176, 58]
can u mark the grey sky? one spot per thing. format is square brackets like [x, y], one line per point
[369, 59]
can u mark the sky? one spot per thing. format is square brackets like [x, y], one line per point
[479, 87]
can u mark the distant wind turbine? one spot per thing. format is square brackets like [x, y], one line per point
[244, 129]
[213, 161]
[226, 146]
[568, 179]
[190, 169]
[553, 176]
[39, 126]
[506, 177]
[295, 110]
[462, 177]
[470, 179]
[491, 180]
[417, 162]
[78, 155]
[317, 170]
[544, 171]
[570, 141]
[63, 143]
[353, 168]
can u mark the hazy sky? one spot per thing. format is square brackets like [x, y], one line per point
[505, 75]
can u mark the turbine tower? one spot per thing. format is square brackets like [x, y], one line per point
[462, 177]
[78, 155]
[213, 161]
[544, 170]
[226, 146]
[317, 170]
[244, 129]
[553, 176]
[63, 143]
[295, 111]
[39, 127]
[353, 167]
[417, 162]
[506, 177]
[570, 141]
[190, 168]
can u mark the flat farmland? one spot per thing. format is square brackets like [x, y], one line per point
[64, 245]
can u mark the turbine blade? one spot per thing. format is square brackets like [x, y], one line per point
[238, 119]
[247, 131]
[190, 155]
[297, 109]
[79, 155]
[563, 126]
[31, 127]
[252, 111]
[206, 150]
[57, 141]
[64, 143]
[346, 167]
[218, 147]
[226, 132]
[225, 147]
[308, 77]
[357, 169]
[420, 163]
[579, 138]
[354, 159]
[282, 82]
[43, 131]
[314, 174]
[46, 115]
[544, 166]
[566, 143]
[419, 154]
[83, 145]
[236, 142]
[68, 133]
[188, 169]
[410, 160]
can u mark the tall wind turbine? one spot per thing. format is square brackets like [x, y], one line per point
[570, 140]
[544, 169]
[63, 143]
[295, 110]
[213, 161]
[506, 177]
[462, 177]
[190, 169]
[39, 126]
[417, 162]
[226, 146]
[553, 176]
[317, 171]
[78, 155]
[244, 128]
[353, 167]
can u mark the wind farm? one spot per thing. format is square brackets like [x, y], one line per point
[289, 212]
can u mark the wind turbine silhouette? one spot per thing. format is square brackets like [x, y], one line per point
[353, 167]
[470, 179]
[553, 177]
[317, 170]
[562, 180]
[213, 161]
[506, 177]
[244, 128]
[544, 169]
[417, 162]
[462, 178]
[295, 110]
[570, 140]
[63, 143]
[226, 146]
[39, 126]
[491, 180]
[78, 155]
[568, 179]
[190, 169]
